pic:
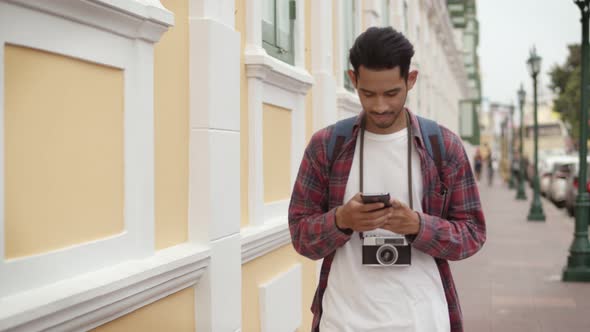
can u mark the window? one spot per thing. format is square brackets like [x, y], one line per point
[349, 13]
[278, 18]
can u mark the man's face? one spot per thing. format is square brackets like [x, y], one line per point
[383, 95]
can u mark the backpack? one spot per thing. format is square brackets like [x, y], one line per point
[430, 130]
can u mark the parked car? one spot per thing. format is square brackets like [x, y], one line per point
[546, 168]
[543, 154]
[572, 187]
[558, 182]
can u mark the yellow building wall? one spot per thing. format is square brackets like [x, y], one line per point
[175, 312]
[259, 271]
[276, 151]
[277, 140]
[171, 108]
[63, 151]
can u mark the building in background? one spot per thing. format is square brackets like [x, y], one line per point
[464, 18]
[150, 147]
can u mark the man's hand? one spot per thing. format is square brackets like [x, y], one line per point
[403, 220]
[361, 217]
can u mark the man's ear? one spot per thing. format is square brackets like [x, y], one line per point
[352, 77]
[412, 77]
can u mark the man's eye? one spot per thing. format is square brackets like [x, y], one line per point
[369, 94]
[391, 94]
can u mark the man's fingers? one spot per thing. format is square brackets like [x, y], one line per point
[377, 214]
[370, 224]
[396, 204]
[371, 207]
[357, 198]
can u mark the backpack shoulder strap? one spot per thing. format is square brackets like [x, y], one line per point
[342, 133]
[433, 141]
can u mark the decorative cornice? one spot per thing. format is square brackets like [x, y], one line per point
[273, 71]
[84, 302]
[259, 240]
[138, 19]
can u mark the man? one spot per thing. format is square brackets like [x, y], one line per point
[327, 217]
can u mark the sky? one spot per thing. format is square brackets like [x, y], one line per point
[508, 30]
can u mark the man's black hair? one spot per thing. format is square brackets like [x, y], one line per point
[382, 48]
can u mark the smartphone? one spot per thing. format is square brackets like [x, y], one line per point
[376, 198]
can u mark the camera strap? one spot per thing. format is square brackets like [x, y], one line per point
[361, 158]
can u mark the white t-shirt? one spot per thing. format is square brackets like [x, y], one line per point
[380, 298]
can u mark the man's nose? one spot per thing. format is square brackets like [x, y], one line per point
[380, 105]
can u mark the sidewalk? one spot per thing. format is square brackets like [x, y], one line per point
[514, 282]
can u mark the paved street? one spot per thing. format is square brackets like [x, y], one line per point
[513, 283]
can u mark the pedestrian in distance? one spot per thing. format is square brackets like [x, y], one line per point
[490, 165]
[386, 199]
[477, 163]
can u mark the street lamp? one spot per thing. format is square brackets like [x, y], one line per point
[536, 211]
[512, 181]
[520, 194]
[578, 262]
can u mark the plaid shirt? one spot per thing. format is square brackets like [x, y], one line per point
[317, 193]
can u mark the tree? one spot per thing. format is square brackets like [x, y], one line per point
[565, 83]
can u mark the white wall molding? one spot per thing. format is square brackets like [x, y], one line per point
[141, 19]
[280, 302]
[276, 72]
[90, 300]
[348, 103]
[275, 210]
[265, 86]
[42, 25]
[259, 240]
[218, 295]
[221, 11]
[271, 81]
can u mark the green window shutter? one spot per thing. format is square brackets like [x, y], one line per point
[277, 29]
[349, 24]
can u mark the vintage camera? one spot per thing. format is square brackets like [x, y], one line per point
[386, 251]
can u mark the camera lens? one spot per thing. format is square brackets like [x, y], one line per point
[387, 254]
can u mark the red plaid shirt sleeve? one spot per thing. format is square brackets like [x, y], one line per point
[313, 230]
[462, 233]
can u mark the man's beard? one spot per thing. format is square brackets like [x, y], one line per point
[388, 124]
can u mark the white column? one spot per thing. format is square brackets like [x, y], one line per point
[299, 34]
[139, 161]
[371, 13]
[358, 16]
[253, 27]
[298, 143]
[214, 190]
[324, 89]
[255, 160]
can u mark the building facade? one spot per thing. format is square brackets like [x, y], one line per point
[149, 148]
[464, 18]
